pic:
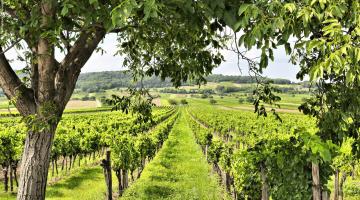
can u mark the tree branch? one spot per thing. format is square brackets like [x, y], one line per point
[70, 67]
[9, 47]
[14, 89]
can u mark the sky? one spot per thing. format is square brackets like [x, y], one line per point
[279, 68]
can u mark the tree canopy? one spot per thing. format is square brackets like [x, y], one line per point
[176, 39]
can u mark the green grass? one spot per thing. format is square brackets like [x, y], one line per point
[87, 183]
[179, 171]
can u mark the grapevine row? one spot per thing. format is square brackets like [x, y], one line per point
[260, 157]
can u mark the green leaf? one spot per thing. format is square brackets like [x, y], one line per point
[290, 7]
[243, 8]
[93, 2]
[64, 11]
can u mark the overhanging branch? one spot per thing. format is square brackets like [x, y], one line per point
[14, 89]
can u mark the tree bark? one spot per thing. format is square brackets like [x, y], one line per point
[316, 189]
[35, 165]
[52, 84]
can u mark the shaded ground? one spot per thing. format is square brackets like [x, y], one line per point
[88, 184]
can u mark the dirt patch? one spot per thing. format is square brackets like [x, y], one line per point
[81, 104]
[157, 101]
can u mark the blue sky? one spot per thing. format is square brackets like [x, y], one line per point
[280, 68]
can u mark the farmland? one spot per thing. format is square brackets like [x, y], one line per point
[200, 150]
[203, 143]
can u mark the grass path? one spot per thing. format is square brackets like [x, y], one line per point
[179, 171]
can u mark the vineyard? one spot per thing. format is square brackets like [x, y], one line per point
[250, 156]
[84, 137]
[261, 157]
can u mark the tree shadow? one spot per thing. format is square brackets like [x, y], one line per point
[158, 192]
[73, 182]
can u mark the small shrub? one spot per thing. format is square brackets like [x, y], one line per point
[213, 101]
[172, 102]
[183, 102]
[250, 99]
[241, 100]
[204, 96]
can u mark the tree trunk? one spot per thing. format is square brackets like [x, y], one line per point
[35, 165]
[316, 189]
[6, 179]
[336, 185]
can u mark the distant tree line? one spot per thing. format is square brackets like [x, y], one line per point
[100, 81]
[243, 79]
[184, 91]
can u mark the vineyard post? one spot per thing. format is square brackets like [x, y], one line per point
[325, 195]
[11, 177]
[342, 181]
[316, 181]
[106, 164]
[336, 185]
[265, 186]
[6, 180]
